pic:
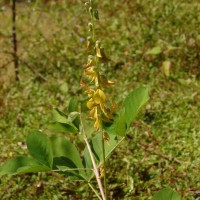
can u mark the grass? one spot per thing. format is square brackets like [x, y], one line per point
[162, 148]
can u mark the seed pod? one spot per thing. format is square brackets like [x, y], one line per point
[90, 26]
[97, 47]
[89, 43]
[96, 14]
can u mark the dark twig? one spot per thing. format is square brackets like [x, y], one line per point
[14, 36]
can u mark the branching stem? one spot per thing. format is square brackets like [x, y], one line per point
[96, 171]
[94, 190]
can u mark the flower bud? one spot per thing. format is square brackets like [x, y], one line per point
[87, 4]
[90, 10]
[90, 26]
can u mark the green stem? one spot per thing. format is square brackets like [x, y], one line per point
[91, 186]
[93, 37]
[104, 166]
[93, 28]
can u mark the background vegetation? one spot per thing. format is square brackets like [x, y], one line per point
[150, 42]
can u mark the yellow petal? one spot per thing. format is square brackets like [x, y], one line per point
[91, 73]
[90, 62]
[99, 96]
[94, 113]
[98, 53]
[97, 124]
[90, 104]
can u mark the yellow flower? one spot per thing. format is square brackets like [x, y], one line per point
[91, 74]
[90, 104]
[99, 97]
[94, 113]
[97, 124]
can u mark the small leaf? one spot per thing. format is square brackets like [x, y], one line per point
[73, 104]
[59, 116]
[73, 107]
[19, 164]
[154, 51]
[62, 127]
[62, 122]
[72, 116]
[39, 147]
[133, 103]
[166, 194]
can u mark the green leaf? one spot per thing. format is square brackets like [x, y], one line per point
[73, 107]
[154, 51]
[66, 155]
[118, 127]
[72, 116]
[61, 119]
[73, 104]
[134, 102]
[21, 165]
[166, 194]
[39, 147]
[65, 166]
[96, 147]
[59, 116]
[62, 127]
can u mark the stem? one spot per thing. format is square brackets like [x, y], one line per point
[14, 38]
[91, 186]
[104, 166]
[93, 29]
[73, 169]
[93, 37]
[96, 171]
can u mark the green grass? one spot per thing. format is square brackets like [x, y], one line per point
[162, 148]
